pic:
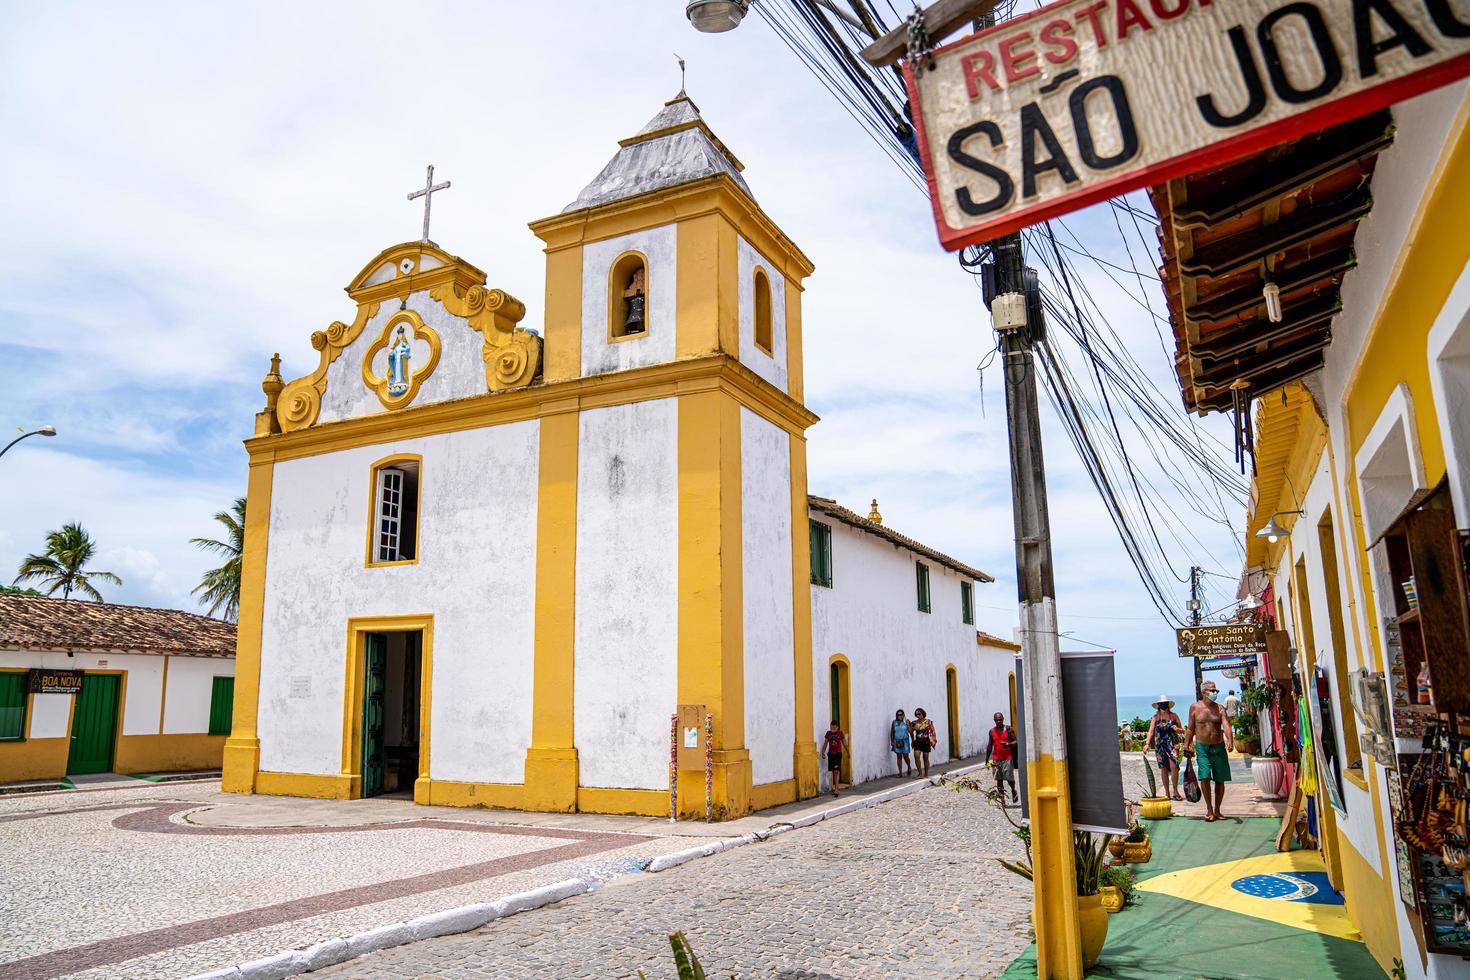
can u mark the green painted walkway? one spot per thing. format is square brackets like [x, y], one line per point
[1164, 937]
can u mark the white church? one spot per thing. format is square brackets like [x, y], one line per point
[485, 565]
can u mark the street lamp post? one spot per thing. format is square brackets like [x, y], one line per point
[45, 430]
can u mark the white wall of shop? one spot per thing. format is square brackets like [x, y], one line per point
[898, 655]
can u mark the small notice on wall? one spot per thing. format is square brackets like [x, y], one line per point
[55, 681]
[301, 687]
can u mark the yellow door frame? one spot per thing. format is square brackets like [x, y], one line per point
[358, 628]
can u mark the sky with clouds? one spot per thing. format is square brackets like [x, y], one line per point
[189, 187]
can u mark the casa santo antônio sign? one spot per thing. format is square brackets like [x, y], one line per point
[1084, 100]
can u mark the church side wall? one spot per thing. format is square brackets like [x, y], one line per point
[897, 654]
[770, 366]
[460, 372]
[765, 537]
[600, 354]
[626, 632]
[475, 575]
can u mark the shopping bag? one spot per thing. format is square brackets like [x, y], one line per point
[1191, 782]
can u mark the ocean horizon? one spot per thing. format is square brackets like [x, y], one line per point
[1132, 706]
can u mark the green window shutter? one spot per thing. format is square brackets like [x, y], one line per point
[967, 603]
[222, 706]
[13, 705]
[821, 551]
[922, 571]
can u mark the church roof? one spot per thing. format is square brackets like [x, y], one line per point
[831, 508]
[40, 622]
[675, 147]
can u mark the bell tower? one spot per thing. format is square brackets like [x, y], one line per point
[673, 563]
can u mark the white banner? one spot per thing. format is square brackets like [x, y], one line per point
[1086, 99]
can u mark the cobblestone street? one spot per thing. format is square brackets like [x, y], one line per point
[909, 886]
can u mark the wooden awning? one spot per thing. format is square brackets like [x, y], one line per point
[1289, 213]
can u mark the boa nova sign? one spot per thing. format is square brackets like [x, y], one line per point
[1086, 99]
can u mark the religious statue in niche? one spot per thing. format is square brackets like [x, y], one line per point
[634, 301]
[399, 354]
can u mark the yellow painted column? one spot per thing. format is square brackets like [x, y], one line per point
[711, 662]
[242, 748]
[795, 381]
[562, 352]
[804, 749]
[551, 761]
[706, 289]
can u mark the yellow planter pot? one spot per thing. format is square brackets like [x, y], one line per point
[1112, 898]
[1094, 926]
[1155, 808]
[1138, 853]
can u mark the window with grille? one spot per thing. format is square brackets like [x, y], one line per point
[12, 705]
[821, 546]
[395, 513]
[967, 603]
[923, 578]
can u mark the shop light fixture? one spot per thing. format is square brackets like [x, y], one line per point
[1272, 293]
[1273, 531]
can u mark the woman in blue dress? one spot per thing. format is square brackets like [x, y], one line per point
[898, 739]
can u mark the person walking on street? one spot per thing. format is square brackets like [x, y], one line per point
[1001, 750]
[924, 739]
[1232, 704]
[834, 742]
[1209, 730]
[898, 739]
[1164, 730]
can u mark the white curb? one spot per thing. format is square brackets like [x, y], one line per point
[333, 951]
[469, 917]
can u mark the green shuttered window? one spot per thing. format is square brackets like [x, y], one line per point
[967, 603]
[12, 706]
[922, 571]
[821, 541]
[222, 706]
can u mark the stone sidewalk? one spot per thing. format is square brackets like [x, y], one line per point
[172, 879]
[910, 887]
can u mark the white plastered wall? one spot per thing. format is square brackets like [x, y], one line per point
[1305, 546]
[656, 346]
[1400, 179]
[770, 366]
[627, 602]
[190, 689]
[765, 545]
[897, 654]
[50, 714]
[476, 575]
[460, 372]
[1449, 376]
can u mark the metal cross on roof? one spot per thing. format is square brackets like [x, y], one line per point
[427, 193]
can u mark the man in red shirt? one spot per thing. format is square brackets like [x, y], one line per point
[1002, 748]
[833, 743]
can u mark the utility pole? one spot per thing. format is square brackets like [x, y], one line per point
[1053, 858]
[1194, 618]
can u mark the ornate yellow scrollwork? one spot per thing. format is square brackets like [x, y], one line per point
[512, 356]
[301, 401]
[399, 388]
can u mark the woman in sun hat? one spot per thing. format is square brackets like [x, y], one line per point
[1163, 737]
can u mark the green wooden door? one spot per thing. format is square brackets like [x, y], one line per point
[374, 686]
[94, 724]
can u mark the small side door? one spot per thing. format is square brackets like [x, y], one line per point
[94, 724]
[374, 688]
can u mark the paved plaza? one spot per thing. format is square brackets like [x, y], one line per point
[140, 879]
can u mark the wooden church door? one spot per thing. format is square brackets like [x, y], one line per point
[374, 687]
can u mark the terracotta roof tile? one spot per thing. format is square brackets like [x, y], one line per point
[33, 622]
[834, 510]
[985, 639]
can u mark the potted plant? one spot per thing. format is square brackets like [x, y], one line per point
[1153, 806]
[1116, 884]
[1091, 917]
[1269, 774]
[1137, 848]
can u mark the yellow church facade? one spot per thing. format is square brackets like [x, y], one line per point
[583, 529]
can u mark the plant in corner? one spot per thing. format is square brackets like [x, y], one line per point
[1117, 883]
[1089, 849]
[1153, 806]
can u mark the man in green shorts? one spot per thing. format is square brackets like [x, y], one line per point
[1209, 730]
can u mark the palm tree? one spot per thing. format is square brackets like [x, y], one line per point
[62, 565]
[220, 587]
